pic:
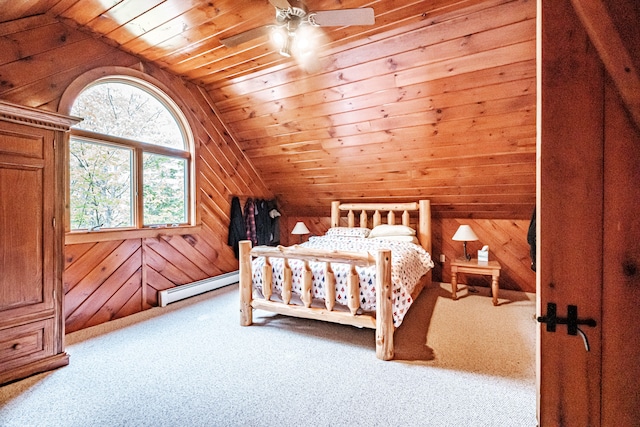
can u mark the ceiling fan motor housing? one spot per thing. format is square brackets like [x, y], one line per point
[297, 11]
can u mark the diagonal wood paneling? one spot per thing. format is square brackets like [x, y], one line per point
[108, 280]
[125, 300]
[507, 241]
[175, 260]
[99, 281]
[173, 265]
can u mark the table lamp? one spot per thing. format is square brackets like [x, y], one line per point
[465, 234]
[300, 229]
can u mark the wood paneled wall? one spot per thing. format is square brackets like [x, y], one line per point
[442, 108]
[107, 280]
[507, 241]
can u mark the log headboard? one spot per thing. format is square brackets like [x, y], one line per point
[371, 214]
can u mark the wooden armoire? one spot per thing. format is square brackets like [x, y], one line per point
[31, 240]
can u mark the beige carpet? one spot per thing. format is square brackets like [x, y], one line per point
[458, 363]
[470, 334]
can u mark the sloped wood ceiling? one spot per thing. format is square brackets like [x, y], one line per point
[441, 108]
[436, 100]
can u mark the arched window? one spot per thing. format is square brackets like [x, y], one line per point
[129, 158]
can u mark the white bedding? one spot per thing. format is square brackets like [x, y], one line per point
[409, 262]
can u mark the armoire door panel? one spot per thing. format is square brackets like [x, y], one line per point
[21, 235]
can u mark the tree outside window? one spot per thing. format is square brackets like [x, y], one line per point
[129, 160]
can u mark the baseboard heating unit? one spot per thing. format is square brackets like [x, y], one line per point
[196, 288]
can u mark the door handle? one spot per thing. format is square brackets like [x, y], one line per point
[572, 321]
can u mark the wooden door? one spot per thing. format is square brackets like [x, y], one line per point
[588, 232]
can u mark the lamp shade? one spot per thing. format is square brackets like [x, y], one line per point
[300, 228]
[464, 234]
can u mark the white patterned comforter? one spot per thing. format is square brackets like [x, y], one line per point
[409, 262]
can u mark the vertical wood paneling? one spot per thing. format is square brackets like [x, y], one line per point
[571, 163]
[621, 282]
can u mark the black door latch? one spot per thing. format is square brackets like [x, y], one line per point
[572, 321]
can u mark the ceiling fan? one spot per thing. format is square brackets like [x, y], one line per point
[293, 20]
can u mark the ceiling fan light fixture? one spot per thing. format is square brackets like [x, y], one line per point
[305, 41]
[278, 37]
[285, 50]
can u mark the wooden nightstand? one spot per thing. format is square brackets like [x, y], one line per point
[486, 268]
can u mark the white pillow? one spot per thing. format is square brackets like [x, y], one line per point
[392, 230]
[348, 231]
[412, 239]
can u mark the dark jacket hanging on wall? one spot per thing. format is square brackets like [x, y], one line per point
[237, 231]
[259, 223]
[263, 222]
[531, 239]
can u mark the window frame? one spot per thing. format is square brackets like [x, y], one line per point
[138, 149]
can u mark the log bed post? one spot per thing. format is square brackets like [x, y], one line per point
[246, 311]
[424, 227]
[424, 232]
[335, 214]
[384, 306]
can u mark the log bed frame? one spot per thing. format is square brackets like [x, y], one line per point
[382, 319]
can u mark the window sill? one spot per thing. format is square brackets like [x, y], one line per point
[75, 237]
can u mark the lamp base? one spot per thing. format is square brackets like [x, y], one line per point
[466, 255]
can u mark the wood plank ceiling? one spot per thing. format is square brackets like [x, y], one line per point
[436, 100]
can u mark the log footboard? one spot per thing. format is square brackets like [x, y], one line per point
[382, 322]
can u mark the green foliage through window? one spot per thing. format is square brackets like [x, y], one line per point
[164, 189]
[125, 125]
[100, 185]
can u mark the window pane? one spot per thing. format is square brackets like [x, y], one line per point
[100, 185]
[125, 110]
[164, 188]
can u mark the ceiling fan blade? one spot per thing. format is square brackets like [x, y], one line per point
[246, 36]
[343, 17]
[280, 4]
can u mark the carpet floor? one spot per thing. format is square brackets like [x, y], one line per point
[458, 363]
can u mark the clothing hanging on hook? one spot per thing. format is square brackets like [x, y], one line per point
[237, 231]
